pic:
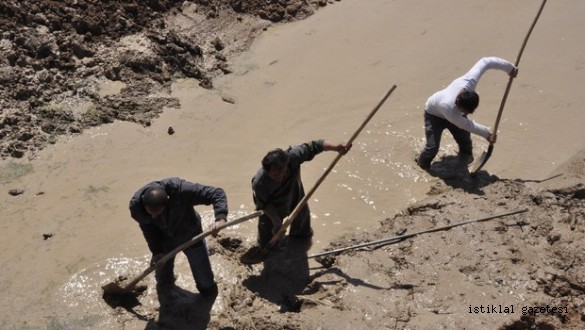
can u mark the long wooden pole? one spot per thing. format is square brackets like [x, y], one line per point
[397, 239]
[289, 219]
[486, 155]
[113, 287]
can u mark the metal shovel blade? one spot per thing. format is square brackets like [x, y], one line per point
[482, 160]
[115, 288]
[254, 255]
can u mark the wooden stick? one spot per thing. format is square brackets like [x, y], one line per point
[289, 219]
[486, 155]
[115, 288]
[397, 239]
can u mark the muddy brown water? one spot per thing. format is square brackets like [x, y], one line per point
[70, 232]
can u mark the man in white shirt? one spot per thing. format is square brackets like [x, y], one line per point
[448, 109]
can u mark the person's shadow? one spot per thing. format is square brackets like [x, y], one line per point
[454, 172]
[182, 309]
[284, 276]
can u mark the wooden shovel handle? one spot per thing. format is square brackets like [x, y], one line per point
[185, 245]
[205, 234]
[509, 86]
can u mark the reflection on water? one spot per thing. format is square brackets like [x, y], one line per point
[83, 288]
[79, 303]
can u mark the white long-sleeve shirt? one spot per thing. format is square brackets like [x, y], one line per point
[442, 103]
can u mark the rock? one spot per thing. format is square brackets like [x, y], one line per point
[80, 50]
[228, 99]
[16, 192]
[218, 44]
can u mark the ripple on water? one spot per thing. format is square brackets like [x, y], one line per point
[80, 303]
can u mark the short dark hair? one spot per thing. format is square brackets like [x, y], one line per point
[274, 158]
[155, 197]
[468, 100]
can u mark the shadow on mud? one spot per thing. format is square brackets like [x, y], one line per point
[285, 275]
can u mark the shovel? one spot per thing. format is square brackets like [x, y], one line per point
[258, 254]
[487, 154]
[400, 238]
[115, 288]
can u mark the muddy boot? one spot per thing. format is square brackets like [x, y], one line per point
[422, 164]
[164, 292]
[465, 158]
[208, 293]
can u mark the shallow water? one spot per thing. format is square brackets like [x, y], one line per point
[313, 79]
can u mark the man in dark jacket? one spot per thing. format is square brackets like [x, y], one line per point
[278, 188]
[164, 211]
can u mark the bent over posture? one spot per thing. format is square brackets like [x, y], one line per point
[278, 188]
[164, 211]
[449, 108]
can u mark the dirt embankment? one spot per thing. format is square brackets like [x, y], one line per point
[56, 54]
[520, 264]
[527, 260]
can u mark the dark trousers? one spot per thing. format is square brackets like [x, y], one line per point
[300, 227]
[200, 267]
[434, 127]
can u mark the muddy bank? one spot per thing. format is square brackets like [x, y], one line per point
[515, 264]
[57, 56]
[54, 282]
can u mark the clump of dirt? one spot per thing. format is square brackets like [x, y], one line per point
[55, 56]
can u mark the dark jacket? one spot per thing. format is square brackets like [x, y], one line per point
[284, 196]
[179, 221]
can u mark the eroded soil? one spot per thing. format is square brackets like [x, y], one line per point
[56, 55]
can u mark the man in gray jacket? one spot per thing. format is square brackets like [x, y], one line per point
[278, 188]
[164, 211]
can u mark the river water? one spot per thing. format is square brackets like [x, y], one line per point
[318, 78]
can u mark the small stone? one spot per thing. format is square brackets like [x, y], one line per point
[228, 99]
[218, 44]
[16, 192]
[171, 131]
